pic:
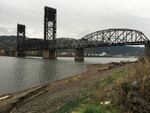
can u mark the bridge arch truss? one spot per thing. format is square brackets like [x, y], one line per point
[113, 37]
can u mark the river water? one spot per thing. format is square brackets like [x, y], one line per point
[17, 74]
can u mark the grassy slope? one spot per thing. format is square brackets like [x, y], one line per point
[91, 102]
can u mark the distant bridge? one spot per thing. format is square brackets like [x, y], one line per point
[102, 38]
[114, 37]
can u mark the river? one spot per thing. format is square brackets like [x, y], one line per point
[17, 74]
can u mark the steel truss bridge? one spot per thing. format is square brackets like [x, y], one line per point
[49, 44]
[102, 38]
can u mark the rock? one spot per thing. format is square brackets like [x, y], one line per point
[135, 85]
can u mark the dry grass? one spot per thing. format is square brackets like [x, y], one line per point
[134, 90]
[127, 90]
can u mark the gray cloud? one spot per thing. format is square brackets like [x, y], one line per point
[76, 18]
[7, 31]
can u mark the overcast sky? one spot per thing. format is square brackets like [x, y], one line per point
[75, 18]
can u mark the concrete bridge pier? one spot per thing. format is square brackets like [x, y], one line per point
[12, 53]
[49, 54]
[79, 54]
[147, 51]
[20, 54]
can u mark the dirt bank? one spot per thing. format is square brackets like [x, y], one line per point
[50, 97]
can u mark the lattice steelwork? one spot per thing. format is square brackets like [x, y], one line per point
[113, 37]
[20, 37]
[34, 44]
[66, 43]
[49, 27]
[103, 38]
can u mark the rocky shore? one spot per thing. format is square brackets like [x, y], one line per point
[52, 96]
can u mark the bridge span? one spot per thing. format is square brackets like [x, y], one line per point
[101, 38]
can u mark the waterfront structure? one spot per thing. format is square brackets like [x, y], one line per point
[101, 38]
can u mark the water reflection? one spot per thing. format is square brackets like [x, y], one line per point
[47, 71]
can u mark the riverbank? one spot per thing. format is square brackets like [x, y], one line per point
[53, 96]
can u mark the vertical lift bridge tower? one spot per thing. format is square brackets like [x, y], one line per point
[20, 40]
[49, 48]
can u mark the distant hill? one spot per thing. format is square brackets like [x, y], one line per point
[118, 50]
[8, 42]
[12, 37]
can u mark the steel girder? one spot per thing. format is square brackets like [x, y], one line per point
[113, 37]
[34, 44]
[103, 38]
[66, 43]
